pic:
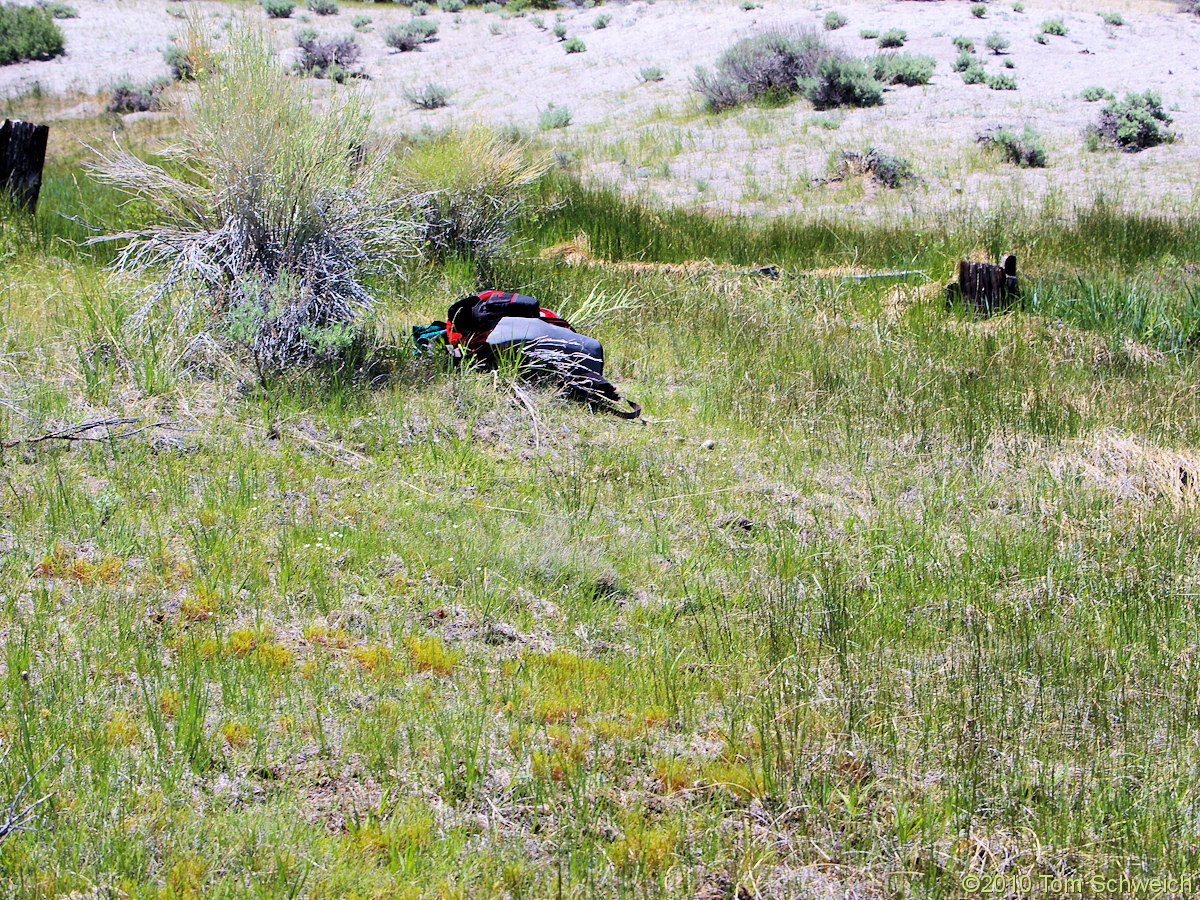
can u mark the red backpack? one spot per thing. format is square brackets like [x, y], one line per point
[495, 325]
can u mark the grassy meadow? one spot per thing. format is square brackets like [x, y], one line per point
[878, 598]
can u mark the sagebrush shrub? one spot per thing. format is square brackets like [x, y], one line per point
[125, 96]
[964, 61]
[28, 32]
[768, 66]
[420, 8]
[997, 43]
[181, 63]
[601, 21]
[903, 68]
[323, 7]
[554, 117]
[1024, 150]
[964, 44]
[574, 45]
[361, 22]
[278, 9]
[451, 6]
[331, 58]
[978, 10]
[410, 35]
[431, 96]
[1094, 93]
[651, 73]
[893, 37]
[887, 169]
[869, 34]
[1053, 26]
[271, 239]
[1112, 18]
[1002, 82]
[1134, 123]
[842, 81]
[58, 9]
[467, 190]
[834, 20]
[974, 73]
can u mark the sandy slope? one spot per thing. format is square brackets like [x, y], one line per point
[653, 138]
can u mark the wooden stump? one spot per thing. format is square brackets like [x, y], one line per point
[984, 287]
[22, 156]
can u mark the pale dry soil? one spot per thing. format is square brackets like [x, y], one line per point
[655, 139]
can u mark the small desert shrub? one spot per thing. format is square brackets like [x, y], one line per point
[1094, 93]
[748, 5]
[554, 117]
[841, 81]
[410, 35]
[651, 73]
[893, 37]
[330, 58]
[978, 10]
[1009, 64]
[126, 97]
[964, 61]
[451, 6]
[1024, 150]
[601, 21]
[1054, 27]
[574, 45]
[180, 62]
[1018, 7]
[278, 9]
[323, 7]
[560, 30]
[466, 191]
[889, 170]
[1112, 18]
[997, 43]
[432, 96]
[271, 239]
[834, 20]
[361, 23]
[1039, 37]
[1002, 82]
[903, 68]
[492, 8]
[869, 34]
[58, 9]
[974, 73]
[964, 44]
[539, 4]
[421, 8]
[28, 32]
[767, 67]
[1135, 123]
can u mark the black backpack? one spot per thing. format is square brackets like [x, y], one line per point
[495, 325]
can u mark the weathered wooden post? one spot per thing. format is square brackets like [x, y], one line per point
[984, 287]
[22, 156]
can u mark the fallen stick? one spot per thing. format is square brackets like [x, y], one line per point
[78, 432]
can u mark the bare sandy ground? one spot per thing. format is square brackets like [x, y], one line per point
[654, 139]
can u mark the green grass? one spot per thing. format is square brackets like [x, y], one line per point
[926, 603]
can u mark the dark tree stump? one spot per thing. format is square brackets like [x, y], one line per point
[22, 156]
[985, 288]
